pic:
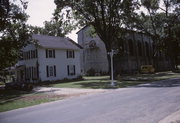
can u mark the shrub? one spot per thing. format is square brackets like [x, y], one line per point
[91, 72]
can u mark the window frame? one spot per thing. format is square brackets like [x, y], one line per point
[50, 53]
[70, 54]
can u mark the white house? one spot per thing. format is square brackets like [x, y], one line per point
[52, 58]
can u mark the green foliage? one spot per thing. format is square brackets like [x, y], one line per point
[54, 27]
[106, 16]
[161, 22]
[13, 32]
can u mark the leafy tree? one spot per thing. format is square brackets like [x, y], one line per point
[161, 24]
[106, 16]
[36, 29]
[55, 27]
[13, 32]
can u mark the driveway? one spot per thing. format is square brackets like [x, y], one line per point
[68, 92]
[141, 104]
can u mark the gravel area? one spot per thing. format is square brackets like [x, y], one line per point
[67, 91]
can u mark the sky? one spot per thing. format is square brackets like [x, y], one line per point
[40, 11]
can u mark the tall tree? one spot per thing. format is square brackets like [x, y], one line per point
[13, 32]
[54, 27]
[106, 16]
[158, 22]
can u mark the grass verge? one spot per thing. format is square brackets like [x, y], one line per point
[14, 99]
[103, 82]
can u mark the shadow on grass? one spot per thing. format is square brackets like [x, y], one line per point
[95, 85]
[175, 82]
[10, 94]
[106, 84]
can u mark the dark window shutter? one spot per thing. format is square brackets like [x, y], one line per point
[47, 70]
[29, 72]
[67, 53]
[73, 54]
[53, 53]
[26, 55]
[32, 73]
[25, 73]
[74, 69]
[36, 53]
[55, 70]
[46, 53]
[37, 70]
[68, 69]
[32, 54]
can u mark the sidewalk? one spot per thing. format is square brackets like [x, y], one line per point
[172, 118]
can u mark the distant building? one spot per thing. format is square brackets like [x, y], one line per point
[93, 54]
[52, 58]
[135, 51]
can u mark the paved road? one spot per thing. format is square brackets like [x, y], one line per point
[142, 104]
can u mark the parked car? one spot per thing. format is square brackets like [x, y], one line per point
[147, 69]
[19, 86]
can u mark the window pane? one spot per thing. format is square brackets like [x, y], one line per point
[50, 53]
[51, 71]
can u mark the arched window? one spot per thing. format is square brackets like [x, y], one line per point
[139, 48]
[147, 49]
[131, 48]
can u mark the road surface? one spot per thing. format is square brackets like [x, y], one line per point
[147, 103]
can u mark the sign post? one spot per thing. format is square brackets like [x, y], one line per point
[112, 69]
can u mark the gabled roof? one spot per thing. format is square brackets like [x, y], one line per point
[46, 41]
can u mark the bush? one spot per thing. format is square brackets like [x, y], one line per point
[119, 77]
[91, 72]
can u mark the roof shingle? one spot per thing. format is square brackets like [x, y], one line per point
[55, 42]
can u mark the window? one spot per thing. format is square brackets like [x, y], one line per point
[51, 71]
[36, 53]
[31, 72]
[70, 54]
[139, 48]
[147, 49]
[30, 54]
[131, 48]
[71, 70]
[50, 53]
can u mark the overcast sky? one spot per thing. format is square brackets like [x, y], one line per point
[40, 11]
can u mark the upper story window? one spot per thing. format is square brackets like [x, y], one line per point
[70, 54]
[50, 53]
[31, 54]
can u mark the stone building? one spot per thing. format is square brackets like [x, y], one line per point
[93, 55]
[135, 51]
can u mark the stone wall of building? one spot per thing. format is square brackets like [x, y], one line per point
[137, 50]
[93, 55]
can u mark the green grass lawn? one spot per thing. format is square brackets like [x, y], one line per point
[103, 82]
[14, 99]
